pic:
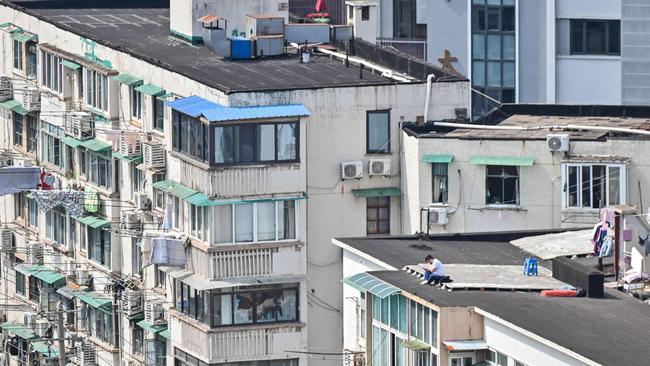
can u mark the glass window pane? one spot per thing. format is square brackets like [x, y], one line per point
[595, 37]
[224, 145]
[509, 74]
[378, 133]
[493, 19]
[244, 222]
[265, 221]
[598, 187]
[478, 46]
[614, 194]
[223, 222]
[246, 143]
[287, 141]
[586, 186]
[286, 220]
[288, 306]
[508, 19]
[576, 43]
[243, 308]
[265, 142]
[614, 37]
[478, 73]
[494, 47]
[268, 306]
[572, 182]
[508, 47]
[494, 74]
[494, 2]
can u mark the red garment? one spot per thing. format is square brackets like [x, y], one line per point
[320, 5]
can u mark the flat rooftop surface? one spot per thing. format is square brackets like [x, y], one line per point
[610, 331]
[144, 33]
[551, 246]
[495, 277]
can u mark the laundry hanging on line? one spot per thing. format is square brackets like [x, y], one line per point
[15, 179]
[165, 251]
[72, 201]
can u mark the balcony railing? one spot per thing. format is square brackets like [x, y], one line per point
[416, 47]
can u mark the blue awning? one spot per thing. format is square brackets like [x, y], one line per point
[367, 282]
[195, 106]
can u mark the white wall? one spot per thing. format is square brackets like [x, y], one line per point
[588, 9]
[589, 80]
[523, 348]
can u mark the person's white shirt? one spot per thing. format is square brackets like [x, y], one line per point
[438, 268]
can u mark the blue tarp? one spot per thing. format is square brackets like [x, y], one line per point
[195, 106]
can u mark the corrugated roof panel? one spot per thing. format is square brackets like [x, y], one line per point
[246, 113]
[208, 18]
[150, 89]
[192, 106]
[128, 79]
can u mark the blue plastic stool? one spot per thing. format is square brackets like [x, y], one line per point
[530, 267]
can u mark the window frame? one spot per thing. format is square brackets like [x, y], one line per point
[94, 175]
[579, 165]
[444, 178]
[51, 72]
[582, 23]
[377, 207]
[105, 243]
[136, 103]
[96, 89]
[387, 149]
[158, 115]
[18, 55]
[56, 224]
[51, 137]
[503, 176]
[19, 129]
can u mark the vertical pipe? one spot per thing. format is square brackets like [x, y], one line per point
[61, 334]
[427, 97]
[617, 243]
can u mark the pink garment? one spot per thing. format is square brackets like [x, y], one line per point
[606, 215]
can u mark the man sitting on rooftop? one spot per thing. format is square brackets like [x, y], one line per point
[434, 272]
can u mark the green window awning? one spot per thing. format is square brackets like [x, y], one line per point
[96, 145]
[166, 334]
[93, 221]
[201, 199]
[502, 160]
[177, 189]
[25, 37]
[128, 159]
[71, 141]
[376, 192]
[44, 349]
[45, 274]
[150, 89]
[128, 79]
[165, 97]
[437, 158]
[10, 104]
[94, 300]
[151, 327]
[19, 330]
[70, 64]
[367, 282]
[416, 345]
[20, 110]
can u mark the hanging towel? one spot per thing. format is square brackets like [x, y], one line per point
[16, 179]
[167, 251]
[71, 200]
[167, 220]
[607, 248]
[91, 200]
[606, 214]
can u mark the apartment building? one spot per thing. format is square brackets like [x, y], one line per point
[187, 199]
[551, 51]
[534, 167]
[391, 319]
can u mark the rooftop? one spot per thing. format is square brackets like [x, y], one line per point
[143, 32]
[610, 331]
[538, 120]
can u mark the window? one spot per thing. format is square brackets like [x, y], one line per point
[199, 221]
[96, 89]
[361, 316]
[20, 280]
[235, 144]
[55, 224]
[404, 19]
[137, 339]
[502, 185]
[83, 161]
[255, 222]
[595, 37]
[19, 205]
[136, 104]
[99, 245]
[158, 195]
[101, 169]
[137, 180]
[215, 308]
[52, 148]
[440, 182]
[35, 289]
[378, 132]
[158, 114]
[32, 133]
[378, 215]
[365, 13]
[160, 278]
[32, 209]
[18, 128]
[18, 55]
[52, 72]
[594, 185]
[178, 214]
[99, 324]
[31, 61]
[493, 54]
[136, 263]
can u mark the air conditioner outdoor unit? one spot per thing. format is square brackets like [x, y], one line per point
[8, 244]
[131, 301]
[154, 313]
[85, 353]
[40, 327]
[438, 215]
[31, 99]
[34, 253]
[379, 167]
[153, 155]
[130, 148]
[82, 277]
[130, 220]
[6, 91]
[557, 142]
[79, 125]
[141, 201]
[351, 170]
